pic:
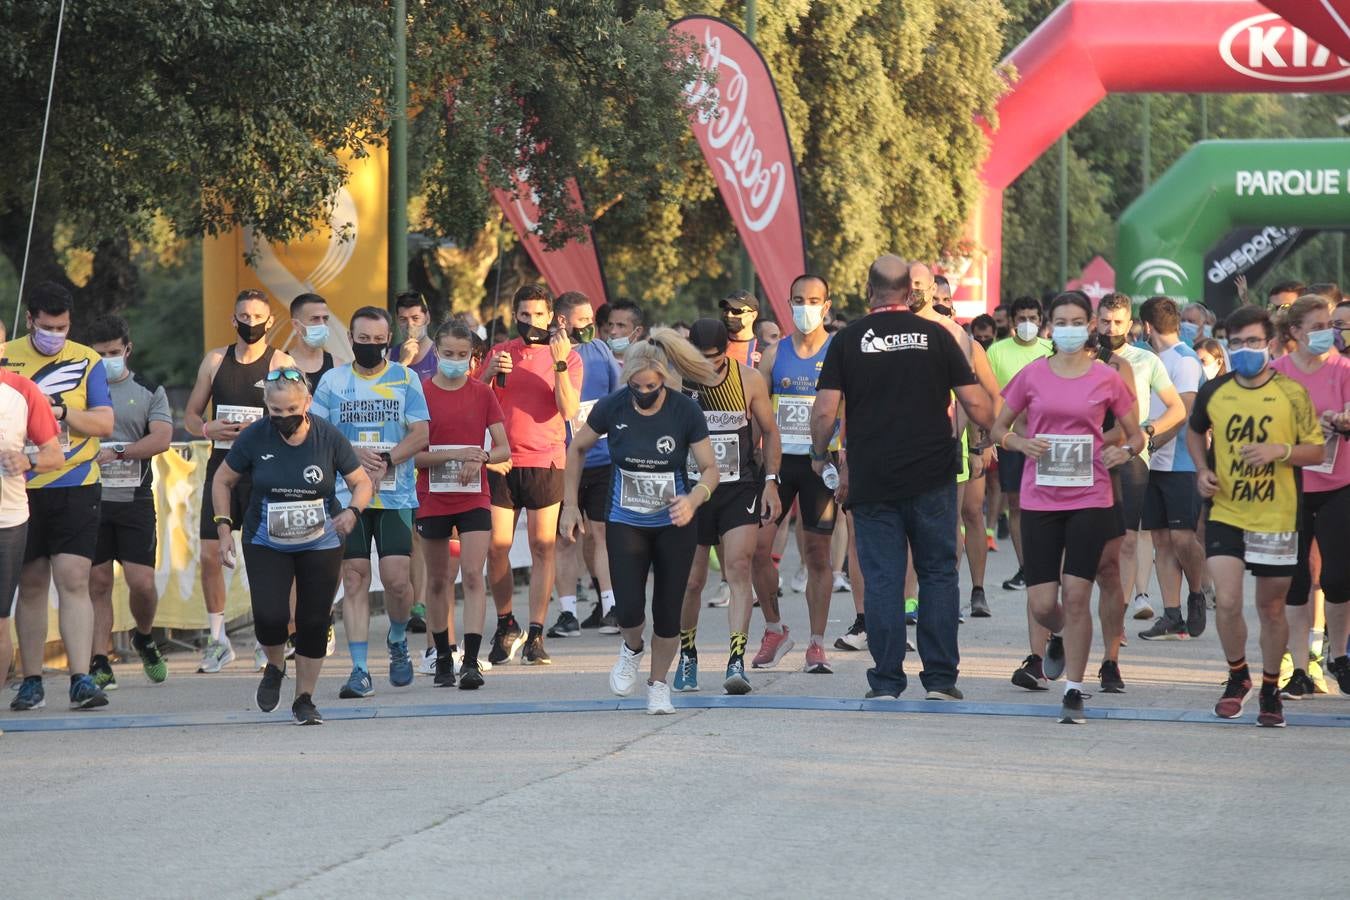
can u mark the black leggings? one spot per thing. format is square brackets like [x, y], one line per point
[13, 540]
[315, 575]
[1325, 516]
[666, 552]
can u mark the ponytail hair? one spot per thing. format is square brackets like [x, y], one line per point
[670, 355]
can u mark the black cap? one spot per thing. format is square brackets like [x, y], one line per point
[709, 334]
[739, 299]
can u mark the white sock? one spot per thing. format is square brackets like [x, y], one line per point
[1073, 686]
[217, 621]
[606, 601]
[818, 639]
[568, 603]
[1315, 642]
[775, 627]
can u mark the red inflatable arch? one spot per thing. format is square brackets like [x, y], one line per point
[1089, 48]
[1327, 21]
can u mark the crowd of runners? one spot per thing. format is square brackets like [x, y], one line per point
[1107, 443]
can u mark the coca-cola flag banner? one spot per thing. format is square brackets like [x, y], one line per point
[744, 138]
[575, 266]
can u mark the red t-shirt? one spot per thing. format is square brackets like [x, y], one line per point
[534, 427]
[459, 417]
[25, 418]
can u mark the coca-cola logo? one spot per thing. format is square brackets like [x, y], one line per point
[756, 184]
[1268, 48]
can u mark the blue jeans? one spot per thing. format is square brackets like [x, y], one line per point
[928, 524]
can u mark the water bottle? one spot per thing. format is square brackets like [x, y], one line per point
[830, 475]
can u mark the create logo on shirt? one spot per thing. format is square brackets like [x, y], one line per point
[313, 474]
[874, 343]
[665, 444]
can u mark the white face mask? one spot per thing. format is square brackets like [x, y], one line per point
[1027, 331]
[807, 318]
[1211, 369]
[315, 335]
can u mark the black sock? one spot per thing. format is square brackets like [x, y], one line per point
[860, 620]
[141, 641]
[471, 644]
[504, 622]
[75, 676]
[536, 630]
[98, 658]
[442, 641]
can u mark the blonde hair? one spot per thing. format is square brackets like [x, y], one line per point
[278, 385]
[1297, 311]
[671, 356]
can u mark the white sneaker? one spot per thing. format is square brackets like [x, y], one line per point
[332, 642]
[1140, 608]
[624, 675]
[841, 585]
[658, 699]
[723, 598]
[426, 663]
[259, 658]
[218, 655]
[799, 581]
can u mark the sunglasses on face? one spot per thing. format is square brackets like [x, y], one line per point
[739, 312]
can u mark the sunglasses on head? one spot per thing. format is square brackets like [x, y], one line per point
[287, 373]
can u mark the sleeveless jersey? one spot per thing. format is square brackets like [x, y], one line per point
[792, 386]
[723, 407]
[237, 390]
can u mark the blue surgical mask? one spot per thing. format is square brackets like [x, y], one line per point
[1070, 338]
[453, 368]
[807, 318]
[315, 335]
[115, 366]
[1189, 332]
[618, 345]
[1320, 342]
[1207, 331]
[1248, 362]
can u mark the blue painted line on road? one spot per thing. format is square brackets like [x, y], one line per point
[95, 721]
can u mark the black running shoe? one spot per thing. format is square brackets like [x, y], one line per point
[1167, 627]
[1195, 614]
[534, 653]
[269, 689]
[855, 638]
[1109, 675]
[594, 619]
[470, 677]
[567, 626]
[609, 622]
[417, 624]
[1030, 675]
[1002, 530]
[445, 671]
[1053, 666]
[1299, 687]
[1016, 583]
[1340, 668]
[1071, 713]
[506, 640]
[979, 606]
[304, 711]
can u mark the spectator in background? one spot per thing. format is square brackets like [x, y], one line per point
[1001, 318]
[1196, 323]
[624, 325]
[1340, 323]
[1329, 289]
[739, 311]
[682, 329]
[982, 329]
[767, 333]
[1284, 293]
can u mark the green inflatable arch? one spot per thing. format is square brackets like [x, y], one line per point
[1220, 185]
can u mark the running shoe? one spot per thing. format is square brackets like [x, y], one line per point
[609, 624]
[304, 711]
[979, 604]
[331, 647]
[534, 653]
[506, 640]
[735, 681]
[458, 656]
[911, 610]
[84, 694]
[269, 688]
[798, 583]
[1195, 614]
[772, 648]
[1167, 627]
[152, 661]
[290, 647]
[400, 664]
[358, 685]
[686, 674]
[1208, 591]
[426, 663]
[1016, 583]
[816, 661]
[1002, 526]
[1140, 607]
[445, 671]
[1299, 686]
[623, 675]
[1271, 714]
[841, 584]
[947, 693]
[470, 677]
[723, 598]
[259, 658]
[658, 699]
[880, 695]
[1071, 712]
[854, 639]
[31, 695]
[1053, 663]
[714, 561]
[594, 619]
[1030, 675]
[218, 655]
[990, 544]
[567, 626]
[1315, 674]
[1286, 668]
[1235, 694]
[100, 669]
[1109, 676]
[1340, 670]
[417, 622]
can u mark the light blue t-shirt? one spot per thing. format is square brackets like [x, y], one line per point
[599, 378]
[1188, 375]
[375, 412]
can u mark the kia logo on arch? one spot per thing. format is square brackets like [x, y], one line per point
[1268, 48]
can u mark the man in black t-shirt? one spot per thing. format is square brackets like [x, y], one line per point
[896, 374]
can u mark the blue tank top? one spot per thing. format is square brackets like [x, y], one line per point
[793, 389]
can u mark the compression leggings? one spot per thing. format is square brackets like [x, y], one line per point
[667, 553]
[315, 575]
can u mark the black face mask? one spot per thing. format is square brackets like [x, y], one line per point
[583, 335]
[917, 300]
[984, 342]
[368, 356]
[250, 334]
[287, 426]
[645, 399]
[733, 323]
[531, 334]
[1113, 341]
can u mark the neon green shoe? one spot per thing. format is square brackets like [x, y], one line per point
[1286, 669]
[152, 660]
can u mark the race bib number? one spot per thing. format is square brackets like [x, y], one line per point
[370, 440]
[583, 413]
[1271, 548]
[121, 473]
[1068, 462]
[794, 418]
[62, 438]
[646, 492]
[727, 450]
[1332, 446]
[236, 414]
[445, 478]
[296, 522]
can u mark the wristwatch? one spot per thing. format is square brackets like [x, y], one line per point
[560, 366]
[119, 450]
[772, 476]
[821, 456]
[1148, 429]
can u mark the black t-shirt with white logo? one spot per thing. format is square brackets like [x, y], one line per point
[896, 372]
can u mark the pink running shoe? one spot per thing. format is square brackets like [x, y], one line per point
[816, 663]
[772, 648]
